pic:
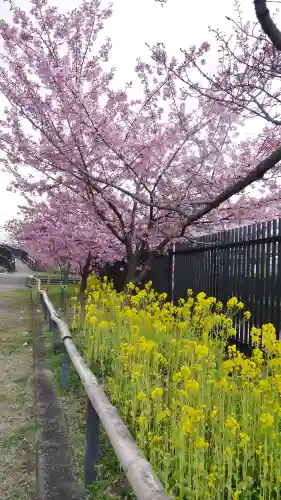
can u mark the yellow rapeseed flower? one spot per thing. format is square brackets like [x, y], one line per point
[143, 341]
[192, 385]
[267, 419]
[201, 443]
[219, 306]
[103, 324]
[201, 351]
[93, 320]
[136, 373]
[236, 494]
[187, 426]
[177, 377]
[186, 371]
[227, 323]
[214, 412]
[244, 439]
[232, 303]
[211, 480]
[142, 420]
[163, 415]
[255, 335]
[157, 392]
[141, 396]
[228, 452]
[269, 336]
[232, 424]
[259, 450]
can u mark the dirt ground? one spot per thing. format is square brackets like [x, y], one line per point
[17, 420]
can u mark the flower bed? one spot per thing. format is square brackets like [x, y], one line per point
[209, 424]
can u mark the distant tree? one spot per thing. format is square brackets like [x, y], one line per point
[61, 233]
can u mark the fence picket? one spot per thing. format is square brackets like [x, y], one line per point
[263, 272]
[259, 292]
[274, 272]
[278, 282]
[243, 262]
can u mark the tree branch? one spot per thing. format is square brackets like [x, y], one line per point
[267, 24]
[254, 175]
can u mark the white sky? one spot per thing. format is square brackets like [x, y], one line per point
[181, 23]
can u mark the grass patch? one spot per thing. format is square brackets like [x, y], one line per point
[15, 322]
[112, 483]
[22, 433]
[18, 343]
[14, 309]
[3, 396]
[12, 340]
[17, 426]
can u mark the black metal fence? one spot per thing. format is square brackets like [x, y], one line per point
[244, 262]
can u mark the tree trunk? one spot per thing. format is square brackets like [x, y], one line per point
[132, 262]
[64, 271]
[141, 256]
[131, 275]
[86, 271]
[84, 278]
[131, 270]
[146, 266]
[65, 274]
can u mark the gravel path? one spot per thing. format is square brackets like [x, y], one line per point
[16, 280]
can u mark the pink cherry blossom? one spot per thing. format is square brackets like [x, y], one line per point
[119, 177]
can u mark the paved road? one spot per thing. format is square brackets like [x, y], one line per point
[16, 280]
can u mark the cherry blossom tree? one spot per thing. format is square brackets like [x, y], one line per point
[246, 82]
[61, 233]
[144, 171]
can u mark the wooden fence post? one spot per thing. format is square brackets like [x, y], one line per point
[92, 444]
